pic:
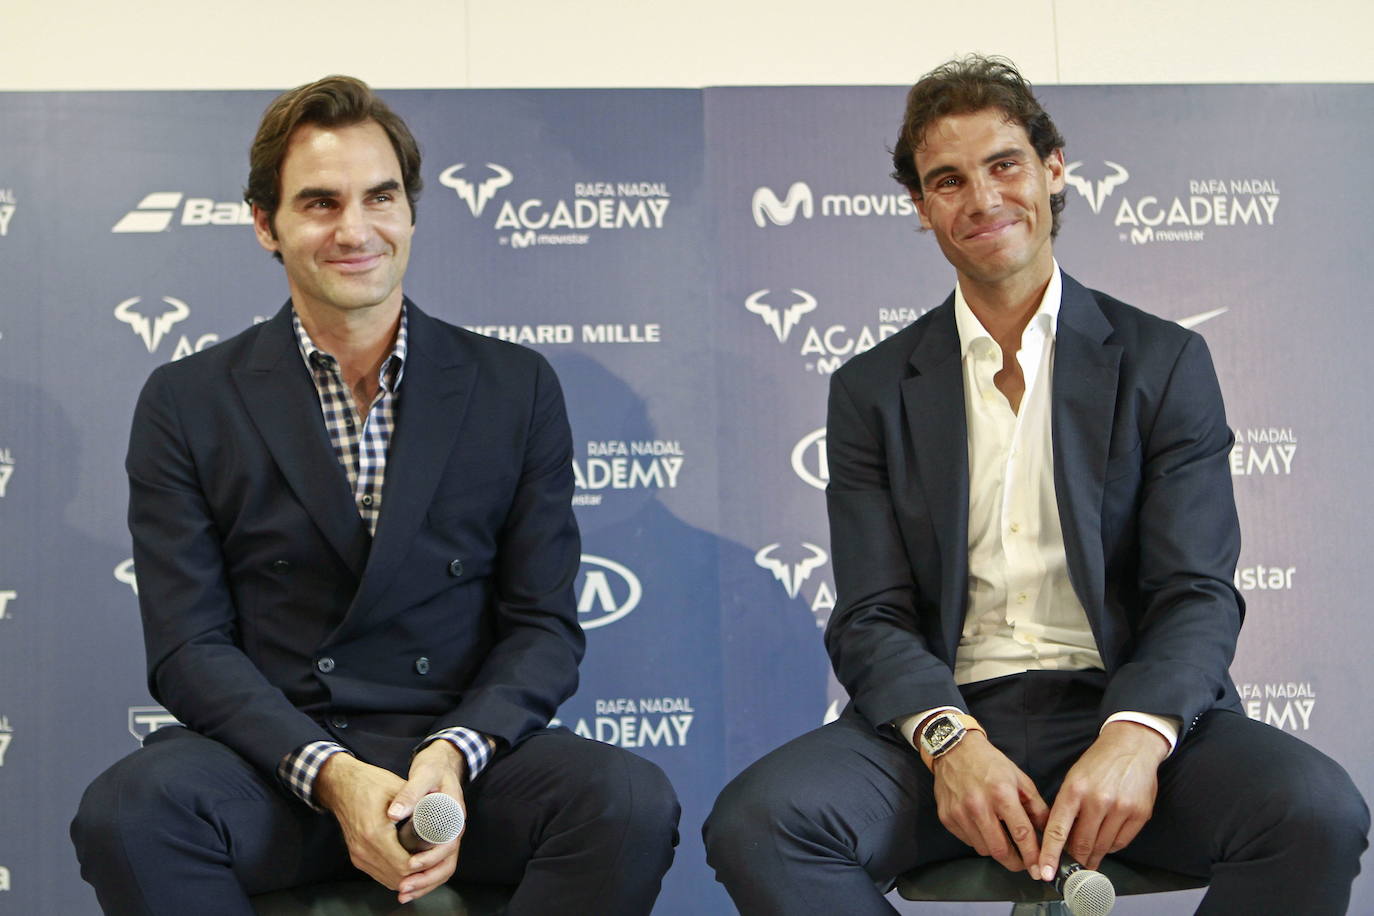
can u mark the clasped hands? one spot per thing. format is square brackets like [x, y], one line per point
[369, 802]
[1108, 794]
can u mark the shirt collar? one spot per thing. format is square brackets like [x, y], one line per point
[1046, 316]
[392, 368]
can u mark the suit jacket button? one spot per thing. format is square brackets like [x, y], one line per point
[325, 665]
[338, 721]
[455, 568]
[422, 665]
[281, 566]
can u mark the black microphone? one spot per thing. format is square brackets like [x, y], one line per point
[438, 819]
[1086, 892]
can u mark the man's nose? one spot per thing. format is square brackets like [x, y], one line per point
[351, 229]
[983, 194]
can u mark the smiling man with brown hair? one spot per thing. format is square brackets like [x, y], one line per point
[1034, 537]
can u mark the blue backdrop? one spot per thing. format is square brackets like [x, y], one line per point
[695, 264]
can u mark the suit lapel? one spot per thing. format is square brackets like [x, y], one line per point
[1086, 371]
[281, 399]
[933, 398]
[433, 398]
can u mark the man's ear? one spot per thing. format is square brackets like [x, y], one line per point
[920, 203]
[262, 228]
[1054, 164]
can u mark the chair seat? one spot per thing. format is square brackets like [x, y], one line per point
[368, 898]
[982, 879]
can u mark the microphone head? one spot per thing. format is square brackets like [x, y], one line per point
[438, 818]
[1089, 893]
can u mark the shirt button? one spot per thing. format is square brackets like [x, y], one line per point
[1021, 598]
[338, 721]
[367, 499]
[422, 665]
[281, 566]
[325, 665]
[349, 422]
[1015, 527]
[455, 568]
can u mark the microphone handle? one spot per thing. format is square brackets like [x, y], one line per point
[412, 841]
[1067, 866]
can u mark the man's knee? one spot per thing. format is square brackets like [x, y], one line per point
[622, 789]
[1295, 801]
[1324, 810]
[753, 812]
[135, 790]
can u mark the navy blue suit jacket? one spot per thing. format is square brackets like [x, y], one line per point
[1142, 478]
[272, 618]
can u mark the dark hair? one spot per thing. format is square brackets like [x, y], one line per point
[965, 85]
[335, 101]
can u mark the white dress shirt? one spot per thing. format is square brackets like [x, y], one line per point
[1023, 614]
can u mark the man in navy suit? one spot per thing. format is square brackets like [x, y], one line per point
[356, 551]
[1034, 537]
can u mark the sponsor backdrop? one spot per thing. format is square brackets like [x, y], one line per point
[695, 265]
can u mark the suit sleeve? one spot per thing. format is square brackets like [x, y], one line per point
[1189, 540]
[879, 651]
[196, 667]
[532, 667]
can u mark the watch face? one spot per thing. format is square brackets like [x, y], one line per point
[940, 731]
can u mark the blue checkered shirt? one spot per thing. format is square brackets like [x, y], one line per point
[361, 444]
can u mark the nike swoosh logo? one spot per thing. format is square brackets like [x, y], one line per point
[1193, 321]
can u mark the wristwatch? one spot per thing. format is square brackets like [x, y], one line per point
[941, 732]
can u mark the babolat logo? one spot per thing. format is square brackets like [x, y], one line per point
[6, 596]
[156, 211]
[151, 322]
[1209, 204]
[793, 567]
[7, 208]
[810, 461]
[823, 348]
[768, 208]
[534, 221]
[6, 470]
[4, 878]
[144, 720]
[606, 592]
[124, 572]
[6, 736]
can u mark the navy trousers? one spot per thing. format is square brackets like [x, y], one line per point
[823, 824]
[185, 825]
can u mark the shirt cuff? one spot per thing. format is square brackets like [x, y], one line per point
[1167, 726]
[908, 725]
[475, 747]
[298, 771]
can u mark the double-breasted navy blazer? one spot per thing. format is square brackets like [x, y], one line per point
[271, 616]
[1142, 478]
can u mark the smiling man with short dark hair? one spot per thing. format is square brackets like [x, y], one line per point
[1034, 537]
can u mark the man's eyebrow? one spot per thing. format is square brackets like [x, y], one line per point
[1011, 152]
[314, 193]
[936, 172]
[318, 193]
[391, 184]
